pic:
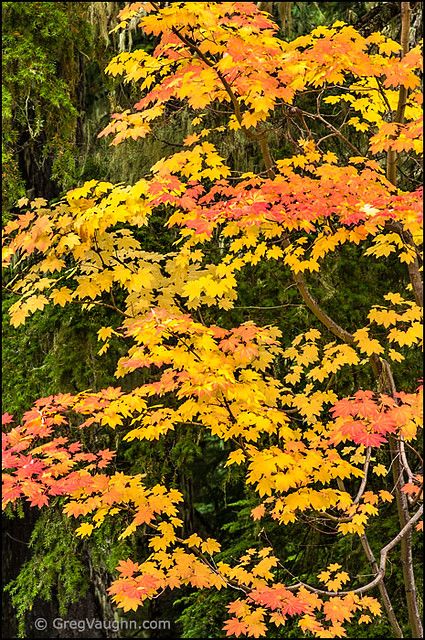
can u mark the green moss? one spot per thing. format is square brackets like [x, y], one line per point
[55, 568]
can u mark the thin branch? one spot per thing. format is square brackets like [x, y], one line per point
[382, 564]
[416, 453]
[398, 633]
[338, 133]
[402, 95]
[277, 306]
[404, 461]
[364, 479]
[406, 544]
[399, 537]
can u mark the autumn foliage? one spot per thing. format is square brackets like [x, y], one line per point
[304, 449]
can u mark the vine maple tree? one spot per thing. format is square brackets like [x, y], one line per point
[306, 451]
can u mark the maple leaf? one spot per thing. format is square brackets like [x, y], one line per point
[61, 296]
[365, 619]
[84, 530]
[127, 568]
[380, 470]
[410, 488]
[210, 546]
[386, 496]
[369, 346]
[258, 512]
[234, 627]
[372, 604]
[39, 500]
[324, 576]
[194, 540]
[235, 457]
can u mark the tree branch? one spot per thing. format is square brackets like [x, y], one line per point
[406, 544]
[402, 96]
[392, 156]
[398, 633]
[381, 569]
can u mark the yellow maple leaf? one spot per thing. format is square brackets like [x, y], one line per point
[365, 619]
[104, 333]
[235, 457]
[330, 157]
[210, 546]
[380, 470]
[395, 355]
[324, 576]
[275, 252]
[386, 496]
[366, 344]
[194, 540]
[395, 298]
[87, 288]
[18, 314]
[372, 604]
[61, 296]
[84, 530]
[389, 47]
